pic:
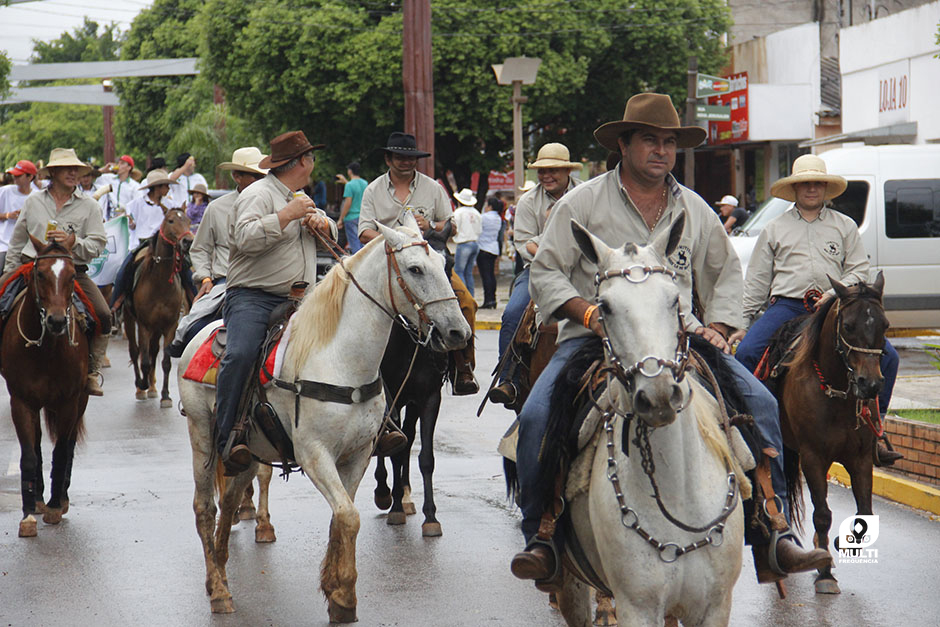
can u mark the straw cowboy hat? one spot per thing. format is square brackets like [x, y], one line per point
[529, 184]
[728, 200]
[287, 146]
[404, 144]
[199, 188]
[157, 177]
[466, 197]
[554, 155]
[64, 157]
[245, 160]
[805, 169]
[647, 111]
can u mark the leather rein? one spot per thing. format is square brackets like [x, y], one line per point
[69, 318]
[177, 257]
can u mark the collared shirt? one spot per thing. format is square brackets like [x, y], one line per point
[792, 256]
[148, 216]
[469, 225]
[704, 254]
[209, 251]
[121, 193]
[489, 234]
[531, 216]
[263, 256]
[379, 205]
[11, 201]
[178, 197]
[79, 215]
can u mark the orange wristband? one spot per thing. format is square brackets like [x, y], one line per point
[587, 316]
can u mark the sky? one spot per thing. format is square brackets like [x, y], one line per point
[46, 20]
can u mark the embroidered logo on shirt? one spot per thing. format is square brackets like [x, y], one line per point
[832, 248]
[682, 258]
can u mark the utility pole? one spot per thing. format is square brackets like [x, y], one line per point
[416, 65]
[690, 100]
[107, 123]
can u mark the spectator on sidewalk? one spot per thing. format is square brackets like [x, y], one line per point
[469, 224]
[355, 185]
[489, 249]
[731, 214]
[12, 199]
[197, 206]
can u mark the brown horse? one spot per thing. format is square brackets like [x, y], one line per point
[45, 363]
[157, 299]
[828, 407]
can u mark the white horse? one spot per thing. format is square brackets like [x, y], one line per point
[647, 352]
[338, 336]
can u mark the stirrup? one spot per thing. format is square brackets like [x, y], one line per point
[556, 574]
[775, 537]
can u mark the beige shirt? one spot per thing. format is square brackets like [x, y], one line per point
[209, 251]
[379, 205]
[261, 255]
[792, 256]
[531, 216]
[704, 255]
[79, 215]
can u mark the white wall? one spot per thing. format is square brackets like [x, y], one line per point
[870, 52]
[793, 59]
[780, 112]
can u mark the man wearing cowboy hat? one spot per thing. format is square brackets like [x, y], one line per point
[794, 257]
[118, 185]
[554, 169]
[635, 203]
[731, 214]
[271, 247]
[403, 189]
[64, 206]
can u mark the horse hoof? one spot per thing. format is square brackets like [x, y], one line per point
[827, 586]
[152, 393]
[396, 518]
[340, 614]
[605, 619]
[265, 534]
[141, 395]
[28, 527]
[52, 516]
[222, 606]
[383, 501]
[431, 530]
[166, 403]
[409, 508]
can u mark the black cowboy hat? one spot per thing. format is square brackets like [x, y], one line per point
[404, 144]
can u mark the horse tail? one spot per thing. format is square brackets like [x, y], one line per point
[791, 471]
[512, 479]
[219, 478]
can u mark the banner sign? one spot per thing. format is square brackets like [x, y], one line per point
[735, 129]
[104, 267]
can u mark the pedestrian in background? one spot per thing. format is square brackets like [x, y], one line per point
[489, 249]
[12, 199]
[197, 205]
[469, 224]
[355, 185]
[731, 214]
[184, 178]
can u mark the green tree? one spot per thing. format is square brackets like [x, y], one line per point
[5, 67]
[85, 43]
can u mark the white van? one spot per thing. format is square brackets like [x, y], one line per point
[894, 197]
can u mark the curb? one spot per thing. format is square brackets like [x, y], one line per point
[487, 325]
[898, 489]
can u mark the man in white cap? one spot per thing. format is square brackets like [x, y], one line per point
[554, 167]
[731, 214]
[637, 202]
[72, 213]
[794, 257]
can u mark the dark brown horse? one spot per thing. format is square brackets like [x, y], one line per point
[828, 406]
[156, 300]
[44, 359]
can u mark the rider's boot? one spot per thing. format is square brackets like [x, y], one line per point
[235, 455]
[536, 562]
[505, 393]
[782, 556]
[96, 357]
[464, 381]
[885, 455]
[391, 440]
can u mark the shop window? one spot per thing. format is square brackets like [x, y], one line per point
[912, 208]
[853, 201]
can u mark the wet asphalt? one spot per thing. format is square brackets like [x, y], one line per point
[127, 552]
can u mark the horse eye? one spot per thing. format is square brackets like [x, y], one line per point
[850, 327]
[415, 270]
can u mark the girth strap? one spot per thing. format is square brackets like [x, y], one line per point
[332, 393]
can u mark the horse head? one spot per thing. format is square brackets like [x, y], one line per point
[420, 290]
[644, 338]
[52, 283]
[860, 324]
[175, 230]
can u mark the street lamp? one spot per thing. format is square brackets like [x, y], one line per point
[517, 71]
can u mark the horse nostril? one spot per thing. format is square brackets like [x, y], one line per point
[641, 402]
[675, 396]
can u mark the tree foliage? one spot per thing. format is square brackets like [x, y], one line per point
[5, 66]
[85, 43]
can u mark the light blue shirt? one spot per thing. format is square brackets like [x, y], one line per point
[489, 236]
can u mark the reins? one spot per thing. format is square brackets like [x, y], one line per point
[177, 250]
[69, 318]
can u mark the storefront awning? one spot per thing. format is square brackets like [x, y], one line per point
[903, 133]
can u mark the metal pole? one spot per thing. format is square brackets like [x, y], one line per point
[417, 78]
[517, 101]
[689, 178]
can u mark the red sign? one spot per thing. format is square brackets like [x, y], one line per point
[501, 181]
[735, 130]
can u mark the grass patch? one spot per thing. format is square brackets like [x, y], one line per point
[920, 415]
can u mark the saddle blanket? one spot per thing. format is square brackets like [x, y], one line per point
[14, 288]
[204, 366]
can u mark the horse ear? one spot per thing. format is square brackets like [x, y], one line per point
[665, 244]
[392, 237]
[879, 284]
[408, 220]
[38, 244]
[841, 290]
[593, 248]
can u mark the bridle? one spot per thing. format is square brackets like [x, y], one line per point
[176, 245]
[69, 318]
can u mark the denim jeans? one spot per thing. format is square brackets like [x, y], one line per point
[515, 308]
[465, 259]
[246, 312]
[352, 234]
[752, 347]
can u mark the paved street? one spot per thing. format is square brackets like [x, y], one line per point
[127, 551]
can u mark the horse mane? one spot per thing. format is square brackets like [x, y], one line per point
[320, 312]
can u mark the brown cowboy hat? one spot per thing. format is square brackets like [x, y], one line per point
[287, 146]
[650, 111]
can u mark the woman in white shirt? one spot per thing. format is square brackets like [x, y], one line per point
[469, 224]
[489, 250]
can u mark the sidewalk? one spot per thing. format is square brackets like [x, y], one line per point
[490, 318]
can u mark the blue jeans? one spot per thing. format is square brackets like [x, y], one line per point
[464, 260]
[752, 347]
[518, 301]
[246, 312]
[352, 234]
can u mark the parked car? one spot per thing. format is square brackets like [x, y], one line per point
[893, 195]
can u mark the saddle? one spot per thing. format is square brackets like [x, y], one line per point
[772, 366]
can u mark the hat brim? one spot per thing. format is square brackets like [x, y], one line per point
[553, 163]
[267, 163]
[157, 182]
[686, 136]
[405, 152]
[84, 168]
[783, 188]
[231, 166]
